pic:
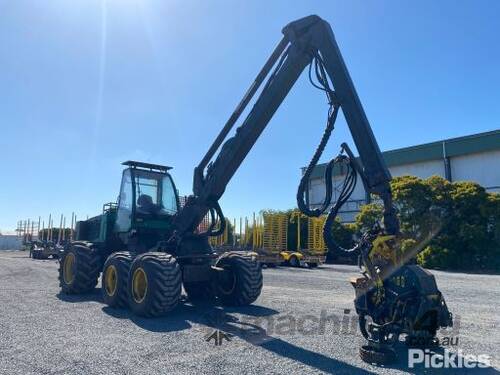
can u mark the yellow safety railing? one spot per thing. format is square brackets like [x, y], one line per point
[316, 243]
[270, 232]
[275, 231]
[257, 233]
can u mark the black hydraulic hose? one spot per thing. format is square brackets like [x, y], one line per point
[350, 180]
[348, 187]
[222, 226]
[304, 181]
[324, 85]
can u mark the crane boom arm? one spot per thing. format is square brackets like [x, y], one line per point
[302, 40]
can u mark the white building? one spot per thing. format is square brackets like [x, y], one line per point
[10, 242]
[471, 158]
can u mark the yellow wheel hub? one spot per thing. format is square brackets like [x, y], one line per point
[69, 268]
[110, 280]
[139, 285]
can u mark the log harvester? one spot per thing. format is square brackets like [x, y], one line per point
[147, 247]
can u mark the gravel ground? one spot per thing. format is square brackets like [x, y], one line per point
[302, 323]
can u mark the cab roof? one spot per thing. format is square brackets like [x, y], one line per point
[142, 165]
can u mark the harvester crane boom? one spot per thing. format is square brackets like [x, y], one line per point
[302, 41]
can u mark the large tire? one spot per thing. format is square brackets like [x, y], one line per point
[79, 269]
[240, 283]
[115, 278]
[154, 284]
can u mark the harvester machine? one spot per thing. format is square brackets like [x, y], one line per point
[147, 248]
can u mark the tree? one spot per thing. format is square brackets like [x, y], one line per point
[457, 225]
[413, 200]
[368, 216]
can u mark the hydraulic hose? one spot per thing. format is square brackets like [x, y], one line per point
[351, 175]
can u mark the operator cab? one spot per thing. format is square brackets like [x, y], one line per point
[147, 193]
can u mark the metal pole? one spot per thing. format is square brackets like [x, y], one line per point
[246, 231]
[64, 230]
[241, 225]
[234, 232]
[60, 230]
[49, 228]
[71, 230]
[74, 229]
[298, 232]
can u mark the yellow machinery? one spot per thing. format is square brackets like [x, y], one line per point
[314, 255]
[273, 235]
[268, 234]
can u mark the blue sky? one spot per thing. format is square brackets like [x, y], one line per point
[87, 84]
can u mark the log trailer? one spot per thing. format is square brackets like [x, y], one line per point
[147, 248]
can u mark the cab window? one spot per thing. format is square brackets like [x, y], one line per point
[125, 201]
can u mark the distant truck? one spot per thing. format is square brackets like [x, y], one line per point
[302, 258]
[45, 250]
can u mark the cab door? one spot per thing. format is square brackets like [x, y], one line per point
[125, 204]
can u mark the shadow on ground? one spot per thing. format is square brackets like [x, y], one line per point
[94, 296]
[224, 319]
[246, 323]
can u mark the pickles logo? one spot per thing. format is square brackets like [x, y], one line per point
[448, 359]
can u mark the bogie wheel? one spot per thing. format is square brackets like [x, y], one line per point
[294, 261]
[79, 269]
[240, 283]
[199, 291]
[154, 284]
[377, 356]
[115, 278]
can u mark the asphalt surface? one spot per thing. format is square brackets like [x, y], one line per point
[302, 323]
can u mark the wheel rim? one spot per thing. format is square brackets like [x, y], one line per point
[110, 280]
[227, 282]
[68, 268]
[139, 285]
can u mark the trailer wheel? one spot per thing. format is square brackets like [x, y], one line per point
[240, 282]
[79, 269]
[115, 278]
[154, 284]
[312, 265]
[294, 261]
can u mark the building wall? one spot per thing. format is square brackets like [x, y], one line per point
[422, 170]
[483, 168]
[10, 242]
